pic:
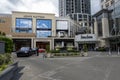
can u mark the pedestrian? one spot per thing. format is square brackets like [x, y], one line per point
[44, 54]
[37, 51]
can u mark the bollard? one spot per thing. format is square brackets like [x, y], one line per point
[109, 51]
[118, 51]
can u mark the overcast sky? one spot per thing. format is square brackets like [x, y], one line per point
[42, 6]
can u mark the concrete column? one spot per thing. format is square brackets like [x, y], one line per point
[32, 43]
[105, 27]
[34, 25]
[96, 27]
[62, 44]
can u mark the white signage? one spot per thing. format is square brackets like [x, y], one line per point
[62, 25]
[85, 37]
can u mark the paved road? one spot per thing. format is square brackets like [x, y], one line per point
[71, 68]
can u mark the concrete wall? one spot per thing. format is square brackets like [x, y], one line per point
[9, 72]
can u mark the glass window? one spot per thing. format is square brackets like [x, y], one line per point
[44, 24]
[24, 25]
[41, 33]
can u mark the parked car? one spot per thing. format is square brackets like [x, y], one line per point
[41, 50]
[24, 51]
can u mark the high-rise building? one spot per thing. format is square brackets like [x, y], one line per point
[78, 10]
[107, 24]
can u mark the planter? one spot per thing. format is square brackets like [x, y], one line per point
[9, 72]
[84, 54]
[50, 55]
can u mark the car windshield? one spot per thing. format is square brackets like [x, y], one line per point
[24, 48]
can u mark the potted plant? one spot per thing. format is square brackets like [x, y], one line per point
[85, 50]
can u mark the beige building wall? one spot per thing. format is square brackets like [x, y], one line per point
[5, 24]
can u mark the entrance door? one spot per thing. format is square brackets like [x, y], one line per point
[43, 45]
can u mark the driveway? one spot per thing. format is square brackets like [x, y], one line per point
[70, 68]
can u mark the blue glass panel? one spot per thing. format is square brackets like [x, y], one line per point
[43, 33]
[44, 24]
[24, 25]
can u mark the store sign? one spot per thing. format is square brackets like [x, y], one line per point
[85, 37]
[30, 16]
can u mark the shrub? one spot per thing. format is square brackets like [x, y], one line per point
[85, 48]
[8, 44]
[5, 59]
[55, 51]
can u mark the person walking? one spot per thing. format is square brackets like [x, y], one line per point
[44, 55]
[37, 51]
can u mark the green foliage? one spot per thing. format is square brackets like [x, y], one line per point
[55, 51]
[48, 48]
[5, 59]
[85, 48]
[8, 44]
[2, 33]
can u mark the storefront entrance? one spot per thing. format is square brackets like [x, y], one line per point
[43, 45]
[18, 43]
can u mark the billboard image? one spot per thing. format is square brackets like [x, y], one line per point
[43, 33]
[62, 25]
[23, 23]
[44, 24]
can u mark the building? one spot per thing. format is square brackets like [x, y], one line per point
[107, 24]
[33, 29]
[42, 30]
[5, 23]
[78, 10]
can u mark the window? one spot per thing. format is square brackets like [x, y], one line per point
[44, 27]
[45, 33]
[24, 25]
[44, 24]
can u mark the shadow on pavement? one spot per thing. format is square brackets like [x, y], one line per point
[18, 73]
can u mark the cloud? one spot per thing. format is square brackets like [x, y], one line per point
[95, 6]
[41, 6]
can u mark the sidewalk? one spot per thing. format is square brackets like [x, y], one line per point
[107, 53]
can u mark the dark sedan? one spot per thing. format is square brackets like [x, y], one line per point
[24, 51]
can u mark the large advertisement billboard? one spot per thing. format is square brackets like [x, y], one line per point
[44, 24]
[62, 25]
[23, 23]
[42, 33]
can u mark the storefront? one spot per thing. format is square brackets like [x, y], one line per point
[18, 43]
[89, 39]
[64, 43]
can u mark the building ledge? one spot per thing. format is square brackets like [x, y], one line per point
[23, 35]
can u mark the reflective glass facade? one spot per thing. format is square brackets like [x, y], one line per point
[44, 28]
[24, 25]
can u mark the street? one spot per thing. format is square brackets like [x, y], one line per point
[68, 68]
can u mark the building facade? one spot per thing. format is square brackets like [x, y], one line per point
[42, 30]
[107, 24]
[33, 29]
[78, 10]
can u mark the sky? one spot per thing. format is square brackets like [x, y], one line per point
[41, 6]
